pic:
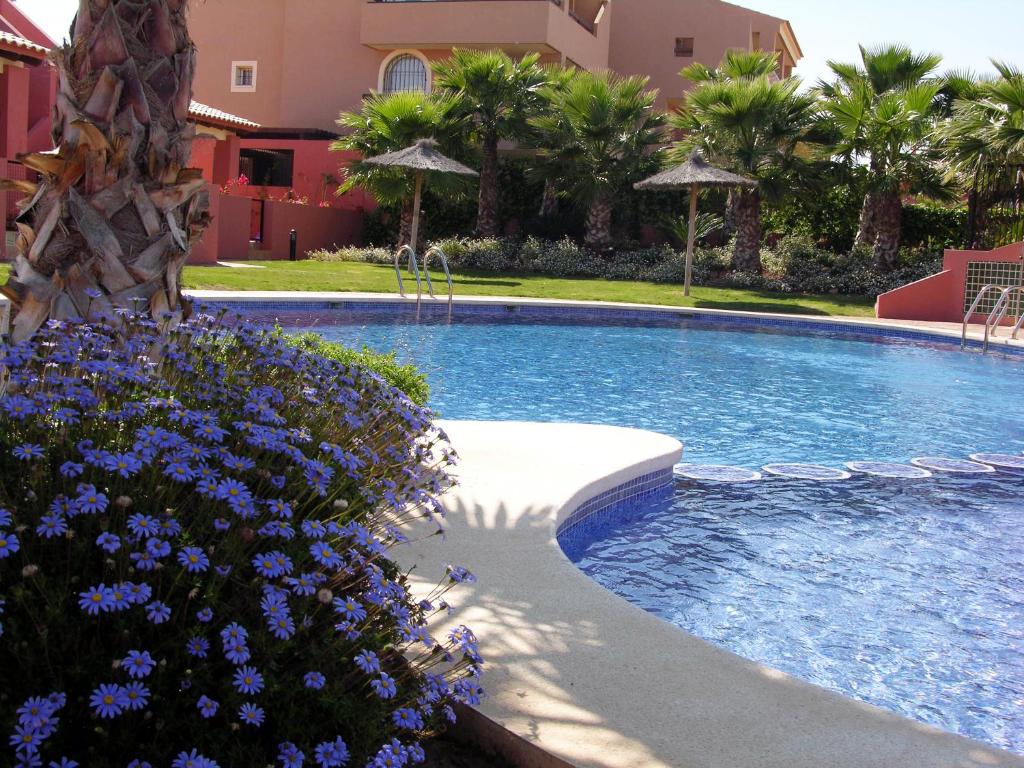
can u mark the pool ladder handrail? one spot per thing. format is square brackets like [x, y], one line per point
[998, 312]
[413, 267]
[970, 312]
[447, 274]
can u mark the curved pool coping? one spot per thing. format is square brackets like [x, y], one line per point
[498, 305]
[579, 676]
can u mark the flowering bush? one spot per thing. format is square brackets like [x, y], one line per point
[194, 540]
[233, 184]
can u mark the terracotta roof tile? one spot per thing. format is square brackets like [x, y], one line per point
[9, 40]
[204, 114]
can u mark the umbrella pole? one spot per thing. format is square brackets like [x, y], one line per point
[691, 235]
[414, 235]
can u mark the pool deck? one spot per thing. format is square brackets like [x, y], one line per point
[578, 676]
[950, 330]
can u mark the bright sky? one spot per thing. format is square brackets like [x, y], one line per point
[967, 34]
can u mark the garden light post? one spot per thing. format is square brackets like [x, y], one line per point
[693, 175]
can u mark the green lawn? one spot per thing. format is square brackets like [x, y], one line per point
[348, 276]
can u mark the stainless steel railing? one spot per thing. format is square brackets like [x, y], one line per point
[444, 266]
[970, 312]
[413, 267]
[998, 313]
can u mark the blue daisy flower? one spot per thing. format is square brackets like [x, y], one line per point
[138, 664]
[194, 559]
[207, 707]
[9, 544]
[314, 680]
[158, 612]
[108, 700]
[250, 714]
[248, 681]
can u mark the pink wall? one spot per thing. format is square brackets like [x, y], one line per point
[941, 297]
[644, 32]
[316, 228]
[227, 237]
[313, 159]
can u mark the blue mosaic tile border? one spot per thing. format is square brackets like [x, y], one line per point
[440, 309]
[610, 502]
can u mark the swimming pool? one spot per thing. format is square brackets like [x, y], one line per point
[904, 594]
[732, 394]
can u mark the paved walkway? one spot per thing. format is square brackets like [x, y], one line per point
[595, 681]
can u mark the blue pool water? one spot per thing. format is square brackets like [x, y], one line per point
[734, 395]
[905, 594]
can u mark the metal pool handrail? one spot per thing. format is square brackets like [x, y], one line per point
[413, 267]
[970, 312]
[999, 312]
[444, 266]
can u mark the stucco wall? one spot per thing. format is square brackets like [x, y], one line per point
[644, 33]
[227, 237]
[315, 227]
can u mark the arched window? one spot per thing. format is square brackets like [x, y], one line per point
[405, 73]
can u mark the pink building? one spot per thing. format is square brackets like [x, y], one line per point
[293, 65]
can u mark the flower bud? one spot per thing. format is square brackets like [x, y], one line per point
[325, 596]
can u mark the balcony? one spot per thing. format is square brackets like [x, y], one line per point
[550, 27]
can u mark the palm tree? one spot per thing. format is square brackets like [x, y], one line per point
[499, 94]
[601, 130]
[984, 134]
[752, 124]
[117, 210]
[388, 123]
[883, 111]
[988, 130]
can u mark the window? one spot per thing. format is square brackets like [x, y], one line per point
[243, 76]
[755, 41]
[405, 73]
[684, 47]
[268, 167]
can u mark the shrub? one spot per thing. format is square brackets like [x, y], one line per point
[794, 265]
[194, 541]
[406, 378]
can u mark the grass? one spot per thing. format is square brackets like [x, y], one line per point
[377, 278]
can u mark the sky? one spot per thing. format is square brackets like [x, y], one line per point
[967, 34]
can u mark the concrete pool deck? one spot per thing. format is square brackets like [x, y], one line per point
[579, 676]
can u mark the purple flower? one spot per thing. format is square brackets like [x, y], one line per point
[325, 555]
[138, 664]
[137, 695]
[143, 525]
[108, 542]
[28, 452]
[289, 755]
[109, 700]
[9, 544]
[407, 718]
[207, 707]
[192, 760]
[198, 647]
[96, 599]
[250, 714]
[248, 681]
[194, 559]
[384, 686]
[90, 501]
[158, 612]
[368, 662]
[314, 680]
[331, 754]
[205, 615]
[51, 526]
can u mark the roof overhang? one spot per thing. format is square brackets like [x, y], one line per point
[210, 117]
[15, 48]
[789, 38]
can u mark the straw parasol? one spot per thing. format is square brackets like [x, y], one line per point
[694, 174]
[420, 157]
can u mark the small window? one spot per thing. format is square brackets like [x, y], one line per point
[755, 41]
[405, 73]
[243, 76]
[684, 47]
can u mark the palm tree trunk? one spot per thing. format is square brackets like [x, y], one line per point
[599, 223]
[746, 248]
[405, 223]
[549, 199]
[729, 222]
[116, 213]
[867, 229]
[487, 209]
[887, 239]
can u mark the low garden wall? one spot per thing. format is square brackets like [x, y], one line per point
[316, 227]
[227, 237]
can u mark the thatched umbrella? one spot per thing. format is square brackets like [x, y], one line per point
[694, 174]
[420, 157]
